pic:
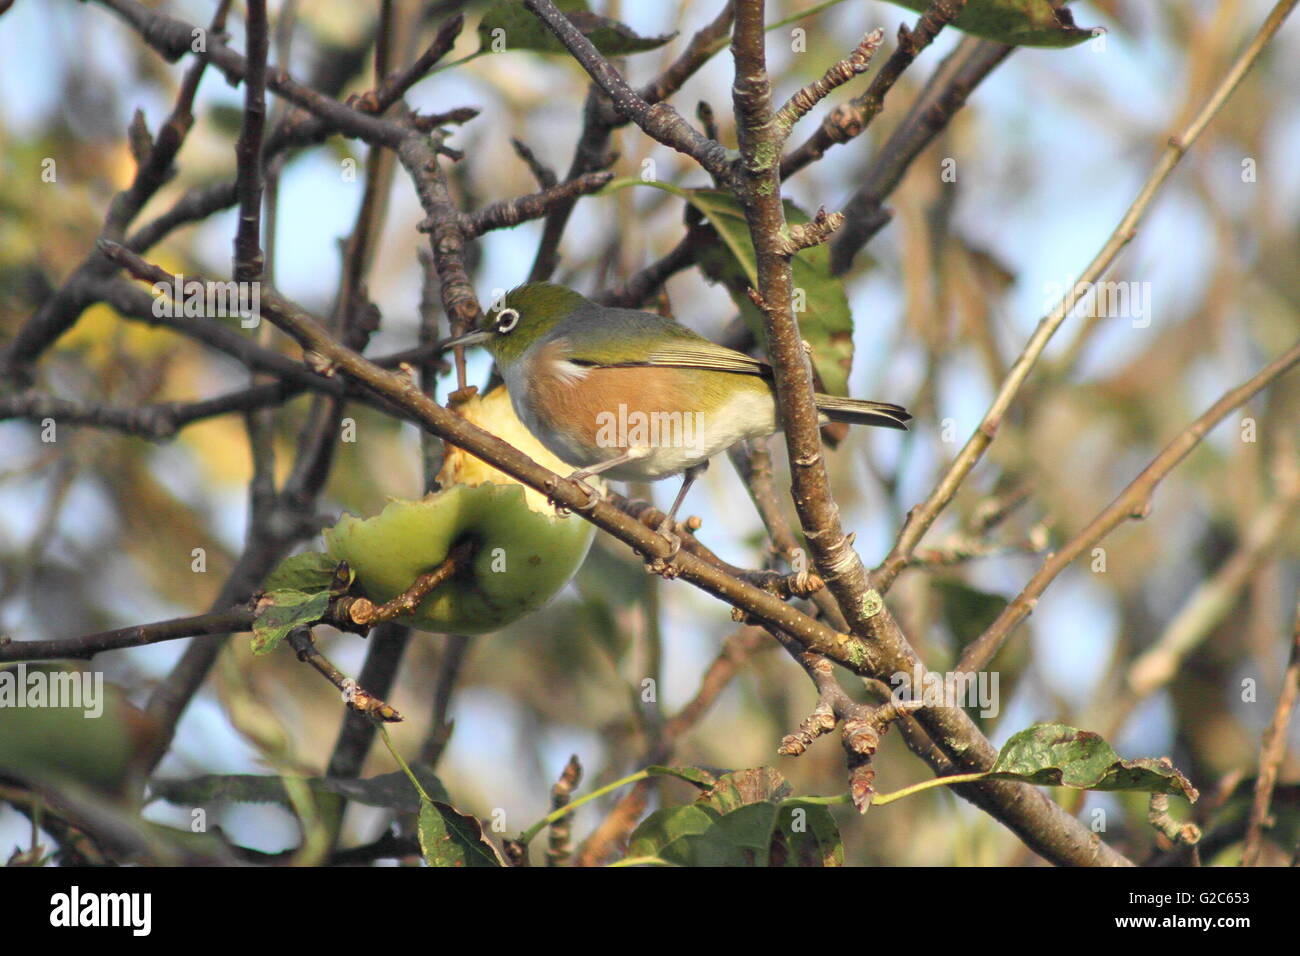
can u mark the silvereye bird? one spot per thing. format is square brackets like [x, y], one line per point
[633, 395]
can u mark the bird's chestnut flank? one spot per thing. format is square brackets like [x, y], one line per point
[632, 395]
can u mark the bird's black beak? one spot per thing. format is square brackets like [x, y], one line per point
[467, 340]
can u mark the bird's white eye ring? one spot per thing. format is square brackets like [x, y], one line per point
[507, 319]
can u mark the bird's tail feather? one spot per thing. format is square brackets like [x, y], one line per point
[857, 411]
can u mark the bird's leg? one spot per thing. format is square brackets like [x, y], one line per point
[666, 526]
[632, 454]
[688, 479]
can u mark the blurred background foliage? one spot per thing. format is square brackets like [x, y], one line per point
[98, 529]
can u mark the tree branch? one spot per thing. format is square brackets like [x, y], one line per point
[921, 517]
[248, 148]
[857, 62]
[659, 120]
[1133, 502]
[600, 120]
[86, 646]
[405, 393]
[1272, 749]
[944, 95]
[850, 119]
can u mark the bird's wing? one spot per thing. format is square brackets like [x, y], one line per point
[702, 353]
[642, 338]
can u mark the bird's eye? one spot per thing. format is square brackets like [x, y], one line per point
[507, 319]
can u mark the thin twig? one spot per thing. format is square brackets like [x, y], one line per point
[507, 213]
[229, 620]
[355, 696]
[248, 148]
[944, 95]
[659, 120]
[365, 613]
[803, 100]
[1133, 502]
[923, 515]
[387, 643]
[592, 153]
[1272, 749]
[559, 847]
[850, 119]
[396, 84]
[172, 38]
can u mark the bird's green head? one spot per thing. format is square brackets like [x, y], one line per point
[521, 317]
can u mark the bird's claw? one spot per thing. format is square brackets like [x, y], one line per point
[594, 497]
[664, 565]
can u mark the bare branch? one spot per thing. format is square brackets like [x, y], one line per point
[172, 39]
[248, 149]
[592, 153]
[856, 63]
[850, 119]
[921, 517]
[403, 392]
[1272, 750]
[944, 95]
[659, 120]
[544, 175]
[397, 83]
[1133, 502]
[507, 213]
[814, 232]
[87, 646]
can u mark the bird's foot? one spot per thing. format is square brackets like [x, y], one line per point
[594, 497]
[666, 565]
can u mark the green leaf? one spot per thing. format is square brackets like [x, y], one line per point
[743, 787]
[1015, 22]
[665, 827]
[746, 819]
[307, 572]
[966, 610]
[209, 789]
[281, 611]
[390, 790]
[1060, 756]
[818, 842]
[821, 304]
[451, 838]
[523, 31]
[1228, 822]
[692, 775]
[749, 830]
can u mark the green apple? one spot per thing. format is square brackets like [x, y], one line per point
[524, 551]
